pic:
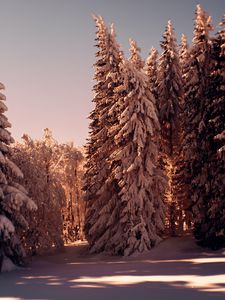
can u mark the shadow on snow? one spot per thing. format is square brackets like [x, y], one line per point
[176, 269]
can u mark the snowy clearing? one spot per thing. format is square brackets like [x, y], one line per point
[176, 269]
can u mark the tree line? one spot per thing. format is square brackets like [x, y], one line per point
[153, 163]
[155, 154]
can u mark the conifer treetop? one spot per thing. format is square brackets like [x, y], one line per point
[169, 75]
[151, 70]
[170, 27]
[102, 34]
[184, 42]
[113, 31]
[135, 57]
[100, 23]
[169, 43]
[222, 23]
[115, 48]
[203, 25]
[150, 67]
[152, 57]
[184, 50]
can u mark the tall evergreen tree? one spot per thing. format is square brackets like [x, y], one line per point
[151, 70]
[135, 165]
[220, 75]
[210, 227]
[180, 192]
[100, 187]
[170, 90]
[92, 167]
[195, 106]
[170, 93]
[13, 197]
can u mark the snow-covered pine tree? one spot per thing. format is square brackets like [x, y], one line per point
[94, 159]
[150, 68]
[184, 55]
[135, 56]
[13, 197]
[210, 228]
[170, 93]
[170, 90]
[220, 75]
[101, 188]
[195, 105]
[180, 192]
[135, 165]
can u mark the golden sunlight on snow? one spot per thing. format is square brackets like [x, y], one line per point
[205, 260]
[10, 298]
[203, 283]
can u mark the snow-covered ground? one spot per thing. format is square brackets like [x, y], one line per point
[176, 269]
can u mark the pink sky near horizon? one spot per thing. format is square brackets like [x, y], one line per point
[47, 52]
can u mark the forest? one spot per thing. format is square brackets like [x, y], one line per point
[153, 166]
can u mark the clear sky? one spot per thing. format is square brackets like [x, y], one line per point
[47, 52]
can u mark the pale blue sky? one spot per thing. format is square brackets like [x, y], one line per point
[47, 51]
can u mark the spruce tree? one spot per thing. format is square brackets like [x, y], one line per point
[195, 106]
[95, 165]
[92, 167]
[100, 187]
[219, 74]
[170, 93]
[13, 198]
[180, 192]
[135, 165]
[210, 227]
[151, 70]
[170, 90]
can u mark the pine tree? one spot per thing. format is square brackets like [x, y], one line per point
[210, 227]
[180, 192]
[195, 106]
[219, 74]
[100, 187]
[135, 56]
[151, 67]
[13, 196]
[170, 90]
[151, 70]
[95, 165]
[135, 165]
[170, 93]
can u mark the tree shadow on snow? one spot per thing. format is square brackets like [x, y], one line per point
[176, 269]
